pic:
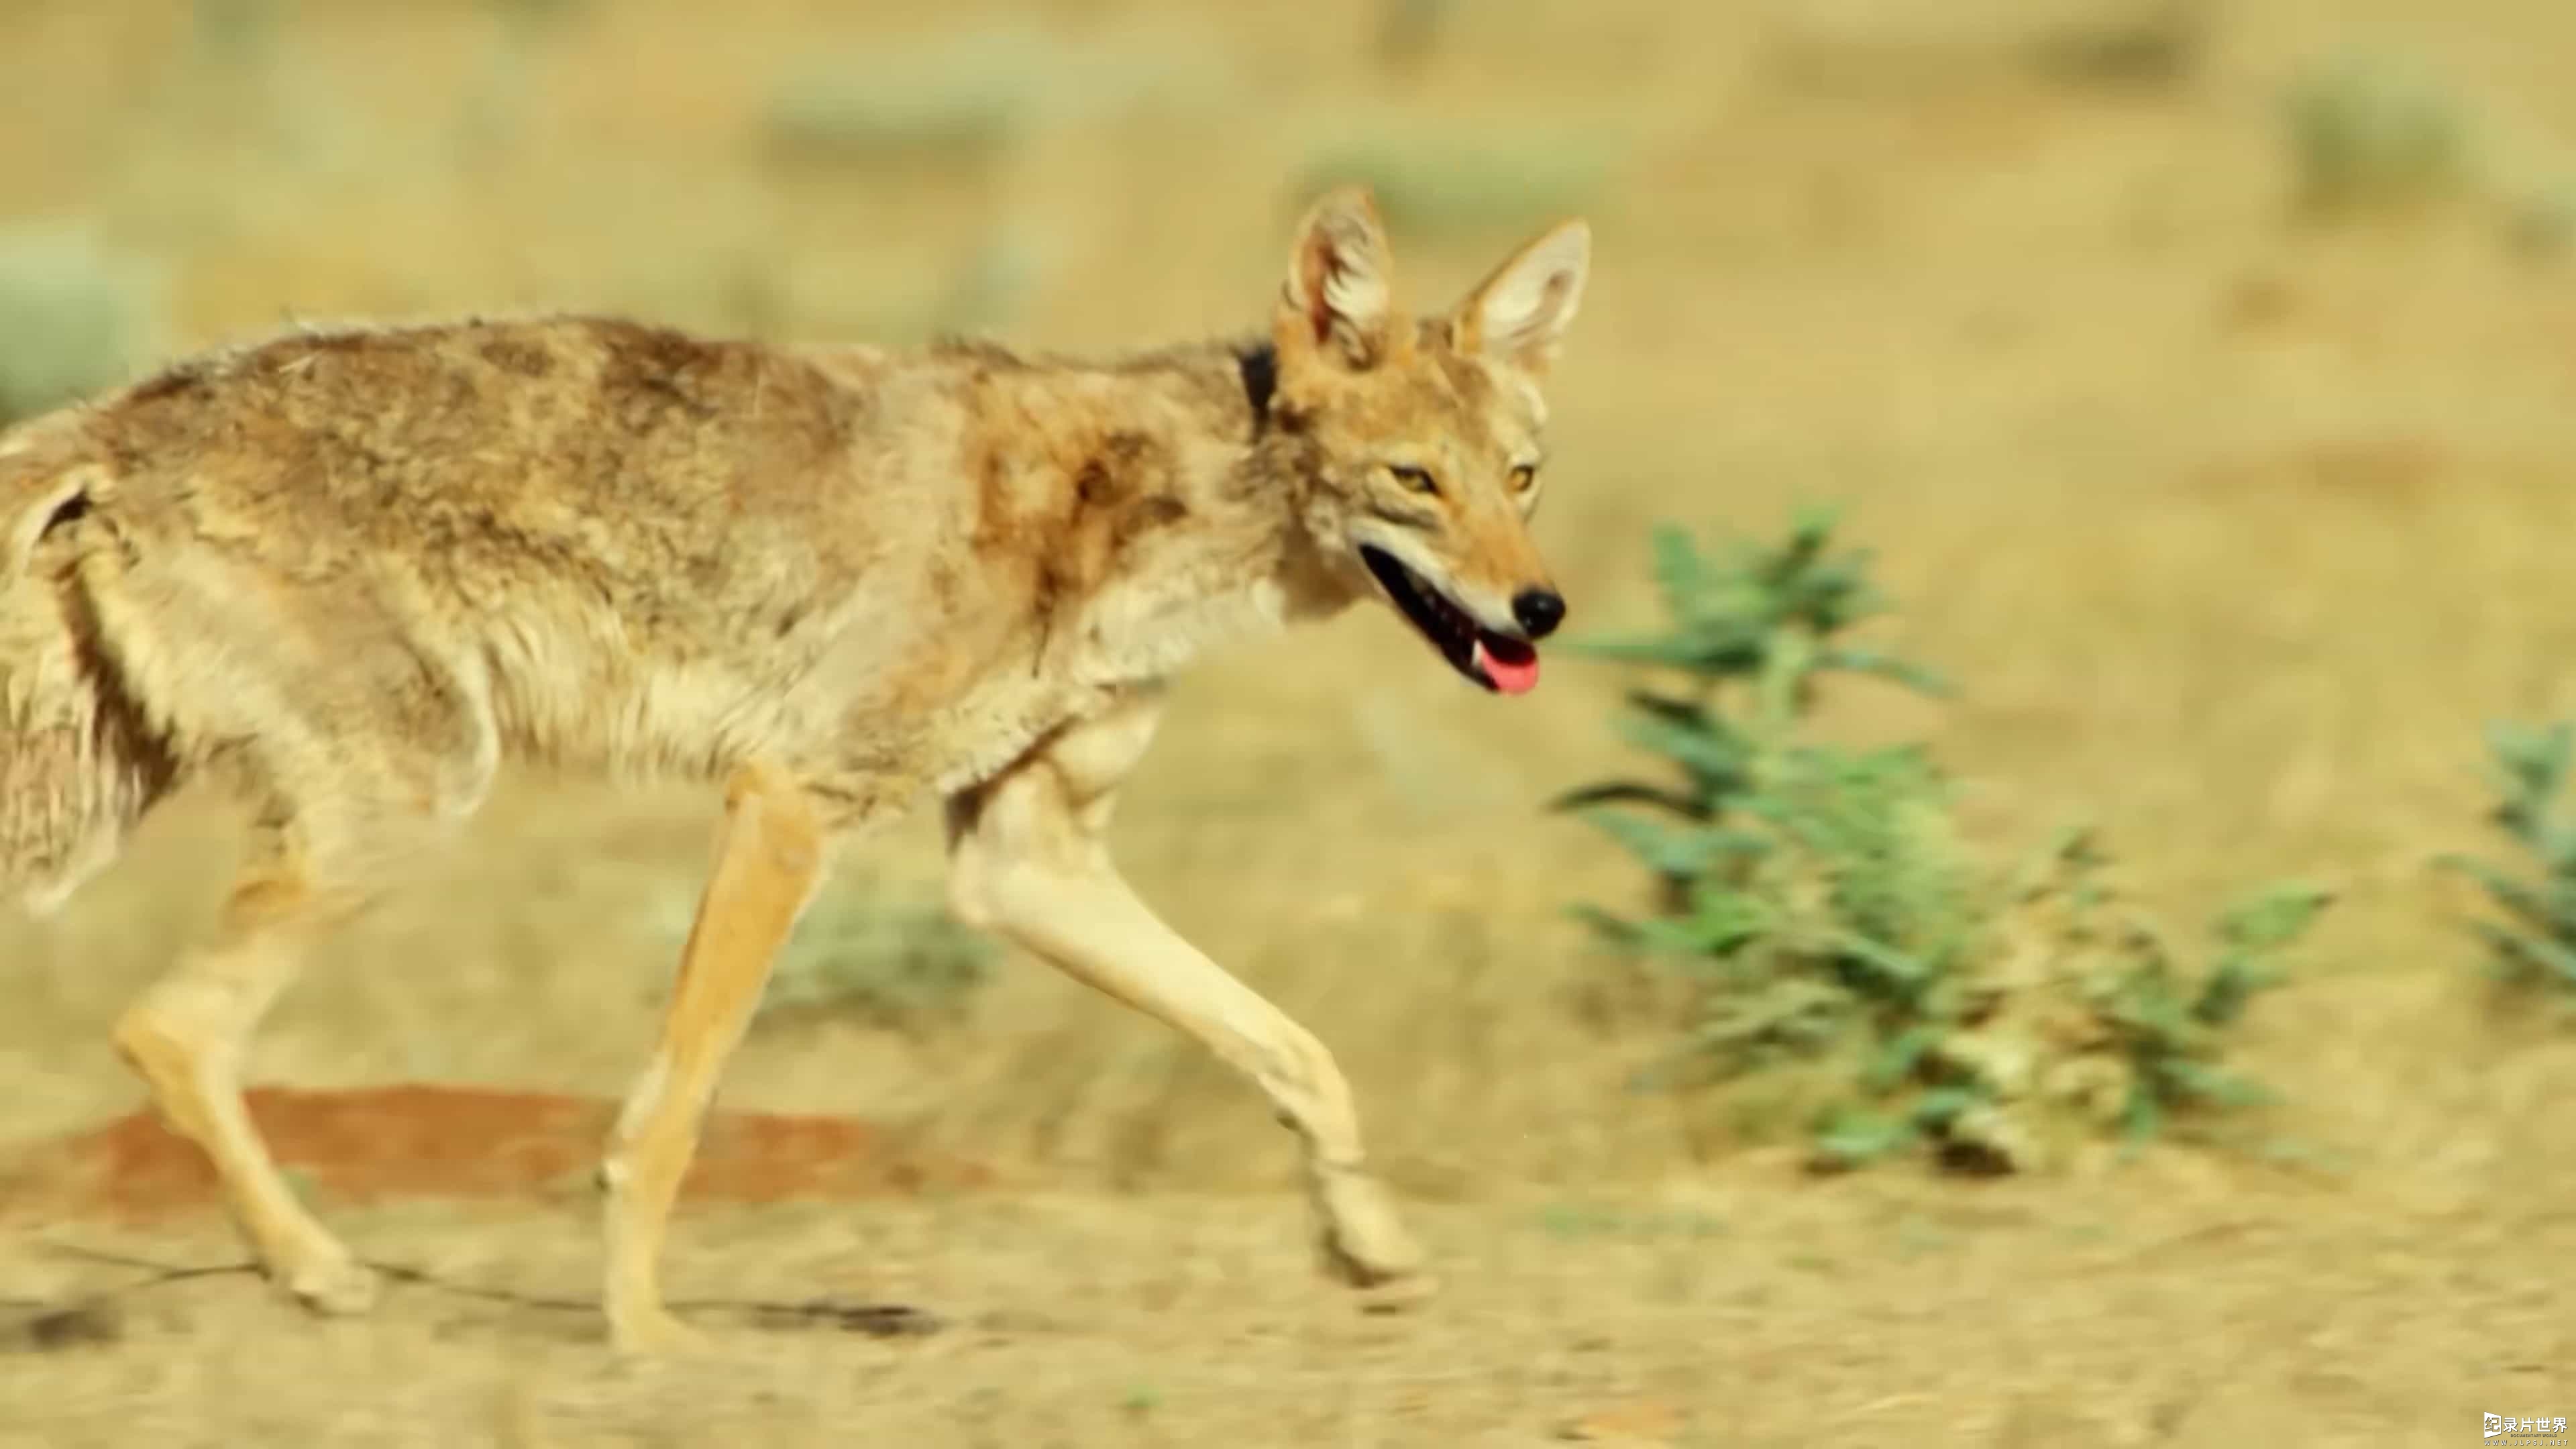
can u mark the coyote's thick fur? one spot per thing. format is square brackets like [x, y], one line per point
[350, 572]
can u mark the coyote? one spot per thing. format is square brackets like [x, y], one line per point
[348, 572]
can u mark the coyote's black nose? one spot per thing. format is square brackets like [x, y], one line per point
[1539, 611]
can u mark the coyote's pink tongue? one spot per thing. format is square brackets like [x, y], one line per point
[1514, 669]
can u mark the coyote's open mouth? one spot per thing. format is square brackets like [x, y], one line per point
[1499, 662]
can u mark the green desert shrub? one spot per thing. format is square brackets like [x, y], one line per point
[958, 99]
[880, 957]
[2369, 135]
[2531, 940]
[1822, 914]
[1433, 178]
[74, 318]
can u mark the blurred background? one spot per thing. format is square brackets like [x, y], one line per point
[2197, 372]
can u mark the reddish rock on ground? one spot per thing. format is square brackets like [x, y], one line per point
[418, 1140]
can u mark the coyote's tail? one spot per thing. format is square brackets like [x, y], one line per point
[78, 761]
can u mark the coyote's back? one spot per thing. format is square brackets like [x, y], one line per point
[359, 568]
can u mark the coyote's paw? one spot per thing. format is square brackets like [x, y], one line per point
[1362, 1244]
[327, 1280]
[654, 1333]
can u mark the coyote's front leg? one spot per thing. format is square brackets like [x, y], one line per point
[1028, 857]
[767, 864]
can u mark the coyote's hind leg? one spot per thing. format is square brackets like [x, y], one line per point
[186, 1036]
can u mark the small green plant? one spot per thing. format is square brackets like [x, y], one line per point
[73, 318]
[2534, 945]
[2370, 136]
[237, 31]
[2542, 224]
[1409, 31]
[1749, 636]
[538, 15]
[1824, 916]
[959, 100]
[2146, 45]
[1453, 179]
[904, 965]
[991, 282]
[2139, 46]
[2082, 1013]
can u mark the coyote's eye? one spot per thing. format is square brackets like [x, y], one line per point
[1417, 480]
[1524, 478]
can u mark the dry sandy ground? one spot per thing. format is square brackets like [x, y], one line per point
[2166, 1307]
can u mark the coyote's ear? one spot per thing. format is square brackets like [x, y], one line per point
[1338, 306]
[1520, 312]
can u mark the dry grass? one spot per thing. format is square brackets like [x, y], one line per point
[2232, 534]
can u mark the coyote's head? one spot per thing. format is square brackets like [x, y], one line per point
[1419, 441]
